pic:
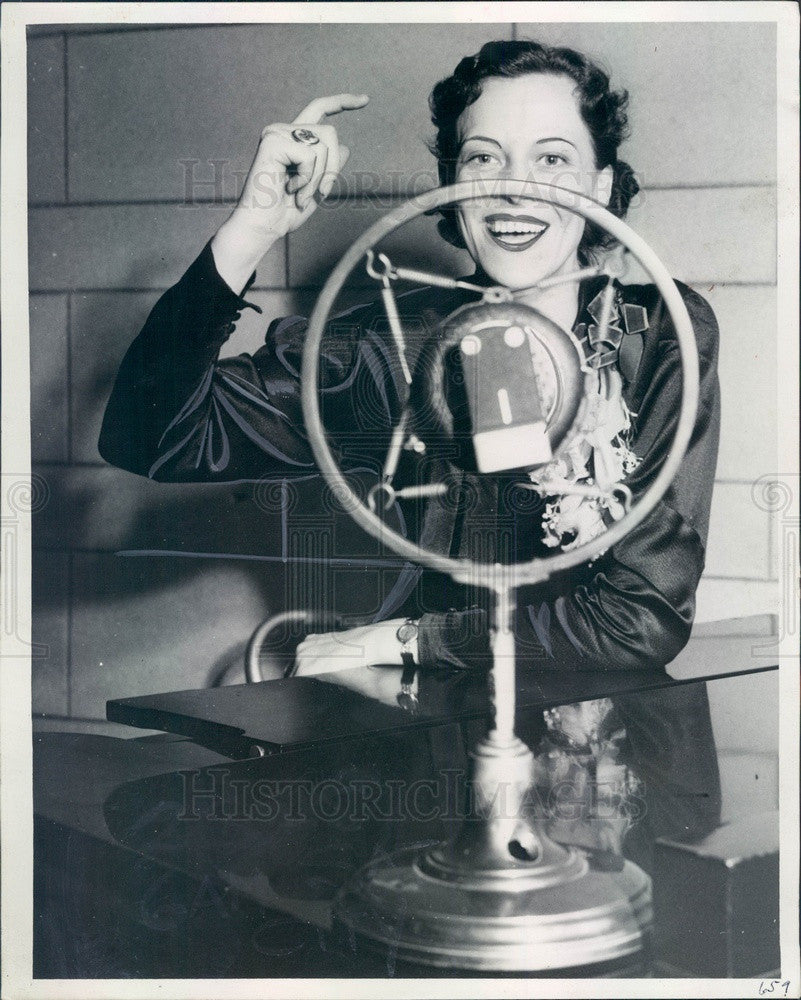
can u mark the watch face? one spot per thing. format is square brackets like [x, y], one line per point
[407, 632]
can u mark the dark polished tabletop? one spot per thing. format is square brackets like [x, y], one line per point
[305, 712]
[217, 847]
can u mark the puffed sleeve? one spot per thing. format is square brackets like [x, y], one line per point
[179, 413]
[635, 607]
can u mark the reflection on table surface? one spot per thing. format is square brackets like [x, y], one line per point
[619, 772]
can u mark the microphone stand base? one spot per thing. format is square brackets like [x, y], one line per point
[397, 915]
[500, 898]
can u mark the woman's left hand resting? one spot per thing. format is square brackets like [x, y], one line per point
[356, 647]
[346, 658]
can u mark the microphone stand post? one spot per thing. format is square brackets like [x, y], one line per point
[502, 896]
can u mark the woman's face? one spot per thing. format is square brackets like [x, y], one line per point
[526, 128]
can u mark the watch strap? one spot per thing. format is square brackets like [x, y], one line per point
[409, 668]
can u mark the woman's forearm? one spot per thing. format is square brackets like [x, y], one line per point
[167, 364]
[237, 250]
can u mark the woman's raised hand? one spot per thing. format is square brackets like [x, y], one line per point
[295, 167]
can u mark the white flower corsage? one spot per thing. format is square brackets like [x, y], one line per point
[599, 459]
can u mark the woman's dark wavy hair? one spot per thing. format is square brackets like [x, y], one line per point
[604, 112]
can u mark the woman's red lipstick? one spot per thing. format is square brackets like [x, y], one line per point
[509, 231]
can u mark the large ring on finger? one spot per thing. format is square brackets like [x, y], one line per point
[305, 135]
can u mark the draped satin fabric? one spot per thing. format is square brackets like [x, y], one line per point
[178, 413]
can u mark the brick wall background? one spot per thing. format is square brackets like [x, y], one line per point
[119, 118]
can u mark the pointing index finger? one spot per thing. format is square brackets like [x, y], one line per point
[320, 107]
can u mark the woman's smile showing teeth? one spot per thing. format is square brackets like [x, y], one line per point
[515, 232]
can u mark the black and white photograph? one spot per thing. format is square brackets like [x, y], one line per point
[400, 499]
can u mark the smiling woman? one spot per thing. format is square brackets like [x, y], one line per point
[556, 120]
[515, 110]
[528, 127]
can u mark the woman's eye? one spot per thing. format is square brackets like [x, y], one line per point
[482, 159]
[553, 160]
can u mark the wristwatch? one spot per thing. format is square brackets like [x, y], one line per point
[407, 696]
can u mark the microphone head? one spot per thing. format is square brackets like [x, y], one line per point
[502, 384]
